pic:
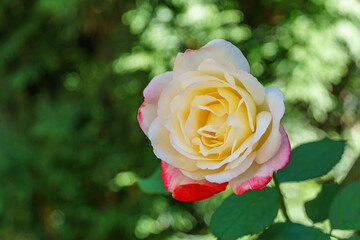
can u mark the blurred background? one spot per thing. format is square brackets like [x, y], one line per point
[71, 79]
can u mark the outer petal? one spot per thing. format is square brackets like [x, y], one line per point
[186, 189]
[258, 176]
[229, 174]
[223, 51]
[148, 109]
[274, 102]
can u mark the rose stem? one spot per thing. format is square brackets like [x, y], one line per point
[281, 198]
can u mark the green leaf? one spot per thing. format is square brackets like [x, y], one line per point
[318, 208]
[353, 238]
[240, 215]
[286, 231]
[345, 208]
[154, 183]
[312, 160]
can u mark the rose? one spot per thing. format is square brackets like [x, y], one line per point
[213, 124]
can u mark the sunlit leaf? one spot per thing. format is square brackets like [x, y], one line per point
[286, 231]
[240, 215]
[312, 160]
[318, 208]
[345, 208]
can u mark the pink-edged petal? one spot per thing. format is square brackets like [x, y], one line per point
[255, 183]
[259, 175]
[148, 109]
[223, 51]
[282, 157]
[186, 189]
[146, 115]
[153, 90]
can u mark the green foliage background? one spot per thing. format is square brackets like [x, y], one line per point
[71, 77]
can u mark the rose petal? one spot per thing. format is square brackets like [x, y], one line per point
[282, 157]
[153, 90]
[186, 189]
[227, 175]
[163, 149]
[263, 120]
[274, 102]
[223, 51]
[146, 115]
[274, 99]
[200, 173]
[231, 98]
[148, 110]
[175, 87]
[242, 78]
[258, 176]
[255, 183]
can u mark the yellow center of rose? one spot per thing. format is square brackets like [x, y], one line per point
[211, 119]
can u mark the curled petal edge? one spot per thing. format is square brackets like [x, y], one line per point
[186, 189]
[264, 172]
[146, 115]
[148, 109]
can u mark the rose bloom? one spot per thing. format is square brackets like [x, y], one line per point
[212, 124]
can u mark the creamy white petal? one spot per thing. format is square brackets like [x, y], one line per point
[259, 175]
[263, 120]
[223, 51]
[240, 121]
[200, 173]
[251, 84]
[155, 87]
[146, 115]
[250, 106]
[160, 141]
[230, 79]
[270, 147]
[191, 81]
[233, 156]
[174, 88]
[148, 110]
[229, 174]
[275, 102]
